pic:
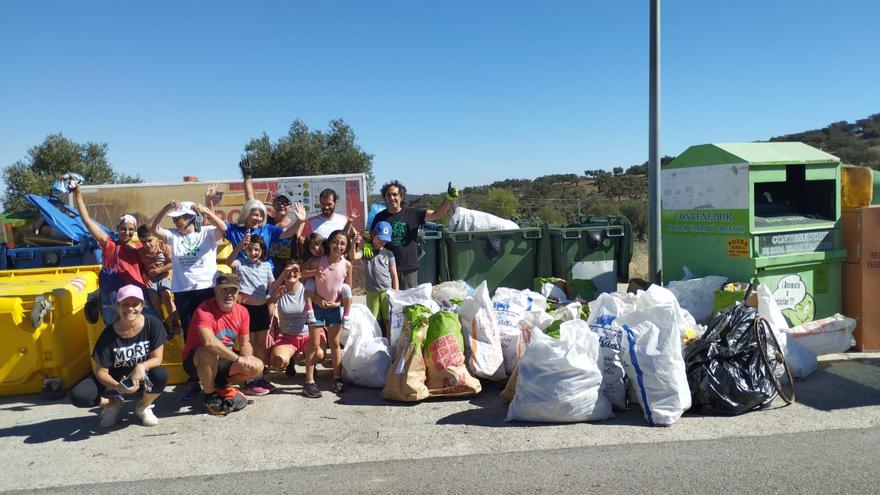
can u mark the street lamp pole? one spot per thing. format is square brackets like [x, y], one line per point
[655, 258]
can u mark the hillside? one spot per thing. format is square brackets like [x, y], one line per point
[564, 198]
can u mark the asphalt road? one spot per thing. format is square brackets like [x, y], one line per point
[827, 442]
[835, 461]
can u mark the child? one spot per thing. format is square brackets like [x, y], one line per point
[315, 246]
[156, 259]
[380, 272]
[330, 289]
[256, 277]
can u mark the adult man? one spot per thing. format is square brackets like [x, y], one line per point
[218, 327]
[405, 223]
[328, 221]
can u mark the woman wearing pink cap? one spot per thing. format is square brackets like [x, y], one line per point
[127, 358]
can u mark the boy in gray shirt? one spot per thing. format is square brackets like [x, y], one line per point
[380, 273]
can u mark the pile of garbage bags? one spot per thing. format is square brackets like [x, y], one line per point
[658, 349]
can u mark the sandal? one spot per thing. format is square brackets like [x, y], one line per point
[338, 385]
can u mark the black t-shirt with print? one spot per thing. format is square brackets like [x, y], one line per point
[119, 355]
[404, 235]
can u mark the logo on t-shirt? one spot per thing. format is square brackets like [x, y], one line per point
[128, 356]
[398, 231]
[227, 336]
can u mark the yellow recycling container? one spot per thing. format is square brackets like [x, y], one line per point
[43, 330]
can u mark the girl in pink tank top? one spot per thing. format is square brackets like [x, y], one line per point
[325, 294]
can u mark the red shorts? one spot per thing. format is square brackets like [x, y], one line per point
[298, 342]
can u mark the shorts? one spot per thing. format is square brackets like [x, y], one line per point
[298, 342]
[329, 316]
[223, 367]
[377, 303]
[159, 284]
[259, 316]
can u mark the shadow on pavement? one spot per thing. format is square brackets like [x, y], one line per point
[56, 426]
[841, 384]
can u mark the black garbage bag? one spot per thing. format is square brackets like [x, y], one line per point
[737, 366]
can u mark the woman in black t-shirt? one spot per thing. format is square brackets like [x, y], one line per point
[128, 358]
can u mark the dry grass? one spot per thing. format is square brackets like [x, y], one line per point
[638, 267]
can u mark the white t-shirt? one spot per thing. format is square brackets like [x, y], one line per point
[325, 226]
[193, 258]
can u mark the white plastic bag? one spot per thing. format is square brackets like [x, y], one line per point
[652, 356]
[549, 290]
[603, 311]
[825, 336]
[801, 362]
[511, 306]
[558, 379]
[366, 357]
[365, 361]
[399, 299]
[363, 321]
[452, 290]
[482, 340]
[465, 220]
[697, 295]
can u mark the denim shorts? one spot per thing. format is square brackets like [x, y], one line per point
[330, 316]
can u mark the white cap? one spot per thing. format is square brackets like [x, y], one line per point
[186, 208]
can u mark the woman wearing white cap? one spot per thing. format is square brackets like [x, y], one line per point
[127, 359]
[121, 263]
[193, 254]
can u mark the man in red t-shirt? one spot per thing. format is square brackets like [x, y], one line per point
[219, 326]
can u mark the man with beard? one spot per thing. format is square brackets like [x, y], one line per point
[405, 223]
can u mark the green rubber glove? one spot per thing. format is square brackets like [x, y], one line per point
[369, 252]
[451, 192]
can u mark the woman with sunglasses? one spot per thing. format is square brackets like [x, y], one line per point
[121, 263]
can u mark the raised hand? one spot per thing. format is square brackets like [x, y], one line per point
[245, 165]
[299, 211]
[451, 192]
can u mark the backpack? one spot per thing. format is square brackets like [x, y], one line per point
[233, 399]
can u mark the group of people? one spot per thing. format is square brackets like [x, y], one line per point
[289, 293]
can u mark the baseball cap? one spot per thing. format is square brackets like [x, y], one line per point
[129, 291]
[186, 208]
[281, 198]
[383, 231]
[226, 280]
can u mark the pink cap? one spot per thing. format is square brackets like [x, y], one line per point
[129, 291]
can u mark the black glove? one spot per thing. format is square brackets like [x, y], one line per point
[451, 192]
[245, 166]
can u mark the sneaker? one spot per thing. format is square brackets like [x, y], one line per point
[110, 413]
[311, 390]
[310, 317]
[214, 404]
[266, 384]
[145, 414]
[338, 385]
[192, 389]
[346, 322]
[291, 369]
[255, 388]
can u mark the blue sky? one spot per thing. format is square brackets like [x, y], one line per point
[467, 91]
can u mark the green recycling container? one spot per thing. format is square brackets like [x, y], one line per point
[431, 256]
[503, 258]
[598, 250]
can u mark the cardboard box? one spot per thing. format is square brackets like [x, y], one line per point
[860, 229]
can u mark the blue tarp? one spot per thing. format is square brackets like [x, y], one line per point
[63, 218]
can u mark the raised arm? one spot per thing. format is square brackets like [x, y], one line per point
[157, 218]
[451, 193]
[96, 231]
[211, 193]
[247, 172]
[214, 219]
[294, 228]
